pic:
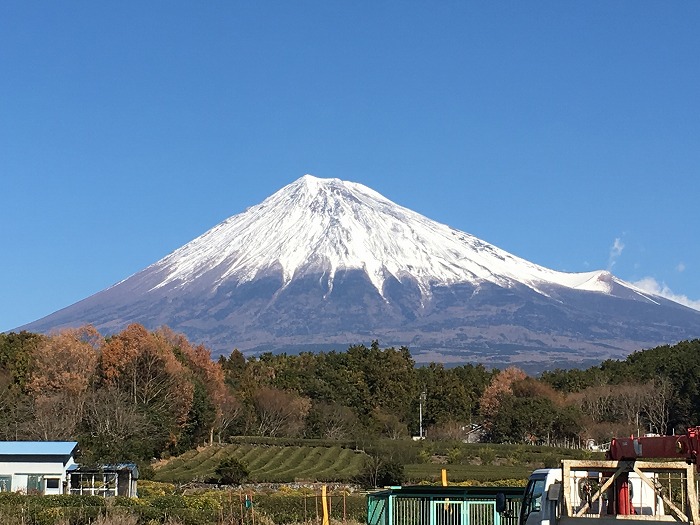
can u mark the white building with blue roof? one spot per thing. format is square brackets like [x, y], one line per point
[39, 467]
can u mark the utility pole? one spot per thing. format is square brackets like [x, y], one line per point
[420, 414]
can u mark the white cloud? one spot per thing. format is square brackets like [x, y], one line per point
[651, 285]
[615, 252]
[681, 267]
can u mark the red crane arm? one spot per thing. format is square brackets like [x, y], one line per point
[676, 447]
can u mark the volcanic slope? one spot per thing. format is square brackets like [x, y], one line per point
[325, 263]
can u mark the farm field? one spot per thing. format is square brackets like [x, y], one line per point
[271, 461]
[267, 463]
[457, 473]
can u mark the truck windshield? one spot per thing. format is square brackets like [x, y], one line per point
[533, 496]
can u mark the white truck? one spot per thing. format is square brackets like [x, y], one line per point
[621, 488]
[550, 500]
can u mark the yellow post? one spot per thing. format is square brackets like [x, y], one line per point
[324, 502]
[444, 484]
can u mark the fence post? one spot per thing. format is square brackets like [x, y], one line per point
[324, 501]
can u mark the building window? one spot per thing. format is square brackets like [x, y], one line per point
[97, 483]
[34, 484]
[52, 483]
[5, 483]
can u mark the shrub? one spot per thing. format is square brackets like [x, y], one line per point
[150, 489]
[168, 502]
[488, 455]
[551, 460]
[206, 501]
[230, 471]
[454, 455]
[378, 472]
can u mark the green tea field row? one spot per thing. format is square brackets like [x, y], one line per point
[266, 463]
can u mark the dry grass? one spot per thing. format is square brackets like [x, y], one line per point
[117, 519]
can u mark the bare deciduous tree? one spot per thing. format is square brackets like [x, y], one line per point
[337, 421]
[656, 408]
[280, 412]
[596, 402]
[629, 401]
[56, 417]
[229, 411]
[111, 417]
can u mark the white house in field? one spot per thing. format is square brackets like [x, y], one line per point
[40, 467]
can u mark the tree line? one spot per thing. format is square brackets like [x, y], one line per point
[142, 394]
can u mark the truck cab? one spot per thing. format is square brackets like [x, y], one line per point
[541, 500]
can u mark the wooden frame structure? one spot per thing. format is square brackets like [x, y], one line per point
[648, 471]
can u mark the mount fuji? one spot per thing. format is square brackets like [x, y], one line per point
[324, 263]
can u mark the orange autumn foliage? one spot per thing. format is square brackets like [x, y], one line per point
[502, 383]
[227, 408]
[66, 362]
[143, 365]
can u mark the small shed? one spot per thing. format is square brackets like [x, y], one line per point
[38, 467]
[104, 480]
[437, 505]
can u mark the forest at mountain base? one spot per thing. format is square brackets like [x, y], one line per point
[140, 394]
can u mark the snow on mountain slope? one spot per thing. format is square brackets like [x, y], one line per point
[324, 225]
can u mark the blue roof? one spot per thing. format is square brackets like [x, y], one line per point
[113, 467]
[37, 448]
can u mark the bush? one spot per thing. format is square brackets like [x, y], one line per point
[391, 473]
[551, 460]
[425, 455]
[454, 455]
[378, 472]
[308, 508]
[168, 502]
[206, 501]
[487, 455]
[400, 450]
[150, 489]
[231, 472]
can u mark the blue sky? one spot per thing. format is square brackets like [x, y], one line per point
[567, 133]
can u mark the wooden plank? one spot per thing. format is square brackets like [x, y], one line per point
[566, 487]
[692, 494]
[606, 464]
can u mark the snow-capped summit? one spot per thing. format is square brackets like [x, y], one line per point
[323, 262]
[327, 225]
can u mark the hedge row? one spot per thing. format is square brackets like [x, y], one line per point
[213, 507]
[293, 442]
